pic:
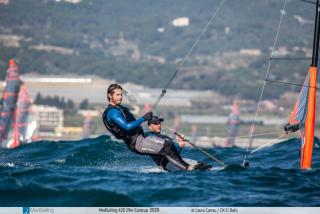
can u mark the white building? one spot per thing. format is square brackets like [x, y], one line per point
[4, 1]
[56, 80]
[181, 22]
[250, 52]
[73, 1]
[49, 120]
[70, 1]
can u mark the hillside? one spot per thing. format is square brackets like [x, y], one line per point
[136, 41]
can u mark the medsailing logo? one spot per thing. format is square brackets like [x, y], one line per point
[26, 210]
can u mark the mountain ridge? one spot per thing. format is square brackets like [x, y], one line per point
[113, 38]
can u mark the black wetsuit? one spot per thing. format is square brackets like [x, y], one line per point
[169, 153]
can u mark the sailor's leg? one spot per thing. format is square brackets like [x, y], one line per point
[172, 154]
[156, 145]
[174, 149]
[160, 160]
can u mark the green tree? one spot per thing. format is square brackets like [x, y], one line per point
[84, 104]
[70, 104]
[38, 100]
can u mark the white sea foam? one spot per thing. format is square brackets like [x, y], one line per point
[7, 164]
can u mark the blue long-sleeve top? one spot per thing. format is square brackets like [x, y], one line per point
[115, 116]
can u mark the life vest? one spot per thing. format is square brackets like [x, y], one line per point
[128, 136]
[164, 137]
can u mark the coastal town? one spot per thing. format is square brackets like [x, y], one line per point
[200, 115]
[171, 106]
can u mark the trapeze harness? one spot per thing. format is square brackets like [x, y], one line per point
[129, 137]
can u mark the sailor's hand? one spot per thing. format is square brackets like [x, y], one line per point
[147, 116]
[190, 168]
[181, 141]
[182, 144]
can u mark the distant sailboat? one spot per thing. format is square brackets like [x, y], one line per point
[25, 123]
[194, 133]
[233, 124]
[9, 101]
[17, 125]
[87, 123]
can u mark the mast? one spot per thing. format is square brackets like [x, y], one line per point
[307, 146]
[316, 37]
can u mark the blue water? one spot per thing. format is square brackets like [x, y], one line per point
[100, 172]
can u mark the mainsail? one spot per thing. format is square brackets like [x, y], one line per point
[298, 115]
[303, 115]
[24, 123]
[17, 125]
[9, 100]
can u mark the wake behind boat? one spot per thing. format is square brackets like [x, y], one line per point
[172, 168]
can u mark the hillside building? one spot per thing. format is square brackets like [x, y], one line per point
[50, 120]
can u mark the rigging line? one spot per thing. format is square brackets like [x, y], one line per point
[260, 162]
[264, 83]
[289, 83]
[196, 147]
[188, 54]
[311, 2]
[235, 156]
[260, 134]
[247, 136]
[268, 143]
[290, 58]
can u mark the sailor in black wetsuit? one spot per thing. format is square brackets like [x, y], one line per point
[123, 125]
[154, 126]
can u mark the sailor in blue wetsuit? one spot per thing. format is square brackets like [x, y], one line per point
[123, 125]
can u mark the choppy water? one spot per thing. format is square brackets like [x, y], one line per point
[100, 172]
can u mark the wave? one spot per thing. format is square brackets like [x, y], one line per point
[103, 172]
[96, 152]
[103, 152]
[39, 196]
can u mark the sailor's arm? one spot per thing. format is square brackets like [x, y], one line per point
[181, 141]
[116, 116]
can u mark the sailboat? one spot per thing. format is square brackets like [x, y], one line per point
[233, 124]
[25, 124]
[17, 124]
[9, 101]
[303, 115]
[302, 118]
